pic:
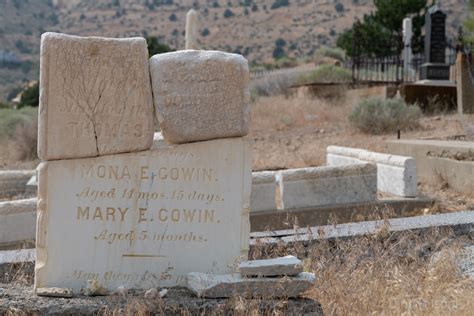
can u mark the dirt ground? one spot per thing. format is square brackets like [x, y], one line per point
[295, 132]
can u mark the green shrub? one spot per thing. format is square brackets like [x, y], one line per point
[336, 53]
[339, 7]
[30, 96]
[280, 3]
[326, 73]
[155, 47]
[11, 118]
[228, 13]
[376, 115]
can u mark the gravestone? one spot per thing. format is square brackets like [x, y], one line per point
[435, 67]
[95, 96]
[407, 51]
[191, 30]
[201, 95]
[143, 219]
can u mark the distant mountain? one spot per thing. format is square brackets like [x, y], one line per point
[248, 27]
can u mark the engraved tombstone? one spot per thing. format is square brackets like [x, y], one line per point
[143, 219]
[95, 96]
[201, 95]
[435, 67]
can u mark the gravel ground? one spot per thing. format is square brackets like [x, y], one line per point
[20, 300]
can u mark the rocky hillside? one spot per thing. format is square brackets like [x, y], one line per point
[249, 27]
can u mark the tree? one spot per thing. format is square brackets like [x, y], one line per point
[279, 51]
[469, 24]
[380, 33]
[30, 96]
[155, 47]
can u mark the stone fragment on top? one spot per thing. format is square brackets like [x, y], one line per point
[201, 95]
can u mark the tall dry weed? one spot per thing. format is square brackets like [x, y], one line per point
[409, 273]
[276, 113]
[391, 275]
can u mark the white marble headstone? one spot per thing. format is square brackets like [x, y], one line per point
[144, 219]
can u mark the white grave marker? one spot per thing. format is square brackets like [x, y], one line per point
[144, 219]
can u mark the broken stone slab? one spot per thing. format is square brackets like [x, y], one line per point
[263, 191]
[54, 292]
[327, 185]
[95, 96]
[201, 95]
[289, 265]
[234, 285]
[395, 174]
[32, 186]
[159, 142]
[17, 221]
[465, 261]
[13, 182]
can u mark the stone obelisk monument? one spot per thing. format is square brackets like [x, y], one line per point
[191, 30]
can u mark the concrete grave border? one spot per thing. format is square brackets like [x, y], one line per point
[395, 174]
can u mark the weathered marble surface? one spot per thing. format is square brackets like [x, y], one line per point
[95, 96]
[17, 221]
[289, 265]
[191, 34]
[54, 292]
[263, 191]
[13, 182]
[201, 95]
[144, 219]
[234, 285]
[328, 185]
[395, 174]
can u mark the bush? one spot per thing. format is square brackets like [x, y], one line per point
[228, 13]
[278, 52]
[155, 47]
[205, 32]
[339, 7]
[376, 115]
[279, 3]
[25, 140]
[336, 53]
[30, 96]
[272, 84]
[10, 118]
[326, 73]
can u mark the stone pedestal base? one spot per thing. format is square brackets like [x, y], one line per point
[434, 71]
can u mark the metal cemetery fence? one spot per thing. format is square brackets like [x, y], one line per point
[390, 69]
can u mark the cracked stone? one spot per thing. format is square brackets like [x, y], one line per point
[288, 265]
[95, 96]
[232, 285]
[201, 95]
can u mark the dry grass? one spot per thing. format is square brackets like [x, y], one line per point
[376, 276]
[388, 274]
[25, 141]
